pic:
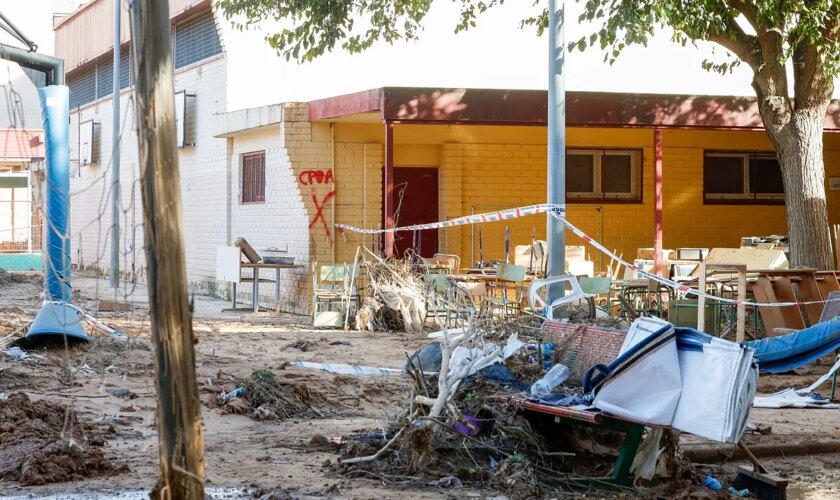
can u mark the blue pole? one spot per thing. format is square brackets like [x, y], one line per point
[556, 236]
[56, 109]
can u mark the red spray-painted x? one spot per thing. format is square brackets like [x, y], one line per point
[319, 212]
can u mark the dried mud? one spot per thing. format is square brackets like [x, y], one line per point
[42, 442]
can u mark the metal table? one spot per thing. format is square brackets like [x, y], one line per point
[257, 280]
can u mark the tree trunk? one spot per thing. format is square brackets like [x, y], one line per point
[179, 407]
[799, 146]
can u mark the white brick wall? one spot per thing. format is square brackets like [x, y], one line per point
[203, 170]
[279, 222]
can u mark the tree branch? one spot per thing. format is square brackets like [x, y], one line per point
[749, 11]
[811, 87]
[744, 46]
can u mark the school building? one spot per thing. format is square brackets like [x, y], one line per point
[281, 175]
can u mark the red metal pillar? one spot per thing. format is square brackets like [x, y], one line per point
[657, 201]
[388, 188]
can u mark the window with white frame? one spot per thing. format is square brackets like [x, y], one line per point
[742, 178]
[604, 174]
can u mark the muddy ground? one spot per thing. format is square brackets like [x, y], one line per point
[95, 404]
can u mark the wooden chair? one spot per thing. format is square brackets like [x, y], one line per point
[333, 285]
[506, 291]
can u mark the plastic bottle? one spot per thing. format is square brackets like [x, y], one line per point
[712, 483]
[554, 377]
[547, 351]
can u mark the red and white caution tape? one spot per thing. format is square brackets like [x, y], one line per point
[511, 213]
[558, 212]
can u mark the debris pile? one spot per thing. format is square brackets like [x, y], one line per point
[6, 277]
[263, 396]
[45, 442]
[465, 424]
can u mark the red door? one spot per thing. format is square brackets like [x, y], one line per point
[418, 187]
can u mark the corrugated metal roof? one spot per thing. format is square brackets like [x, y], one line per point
[20, 143]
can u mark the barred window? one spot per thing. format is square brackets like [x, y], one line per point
[82, 88]
[196, 39]
[253, 177]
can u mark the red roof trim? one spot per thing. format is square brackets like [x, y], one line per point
[343, 105]
[529, 107]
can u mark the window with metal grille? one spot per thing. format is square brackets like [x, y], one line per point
[604, 175]
[105, 79]
[253, 177]
[82, 88]
[746, 178]
[195, 40]
[125, 68]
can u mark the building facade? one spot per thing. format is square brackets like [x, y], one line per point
[281, 175]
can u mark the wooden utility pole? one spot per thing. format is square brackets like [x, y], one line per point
[179, 407]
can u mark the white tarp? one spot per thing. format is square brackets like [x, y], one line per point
[789, 398]
[719, 384]
[646, 391]
[689, 381]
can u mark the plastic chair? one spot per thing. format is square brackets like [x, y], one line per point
[333, 285]
[537, 302]
[453, 262]
[509, 278]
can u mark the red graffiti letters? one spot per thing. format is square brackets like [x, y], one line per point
[312, 177]
[319, 211]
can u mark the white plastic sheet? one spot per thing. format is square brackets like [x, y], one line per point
[705, 387]
[719, 385]
[647, 391]
[789, 398]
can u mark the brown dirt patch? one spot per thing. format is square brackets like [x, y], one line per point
[43, 442]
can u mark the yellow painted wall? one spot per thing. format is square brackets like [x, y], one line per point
[486, 168]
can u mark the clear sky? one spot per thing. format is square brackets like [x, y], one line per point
[496, 54]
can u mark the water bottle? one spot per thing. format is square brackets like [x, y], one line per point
[554, 377]
[712, 483]
[547, 351]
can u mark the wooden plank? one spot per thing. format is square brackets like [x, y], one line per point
[792, 315]
[809, 290]
[828, 283]
[771, 316]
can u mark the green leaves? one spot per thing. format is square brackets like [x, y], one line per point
[313, 27]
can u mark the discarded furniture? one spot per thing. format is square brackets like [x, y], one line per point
[333, 285]
[692, 253]
[644, 297]
[754, 258]
[572, 296]
[632, 431]
[580, 346]
[741, 307]
[778, 286]
[531, 256]
[231, 268]
[650, 254]
[505, 291]
[446, 301]
[449, 261]
[576, 263]
[681, 378]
